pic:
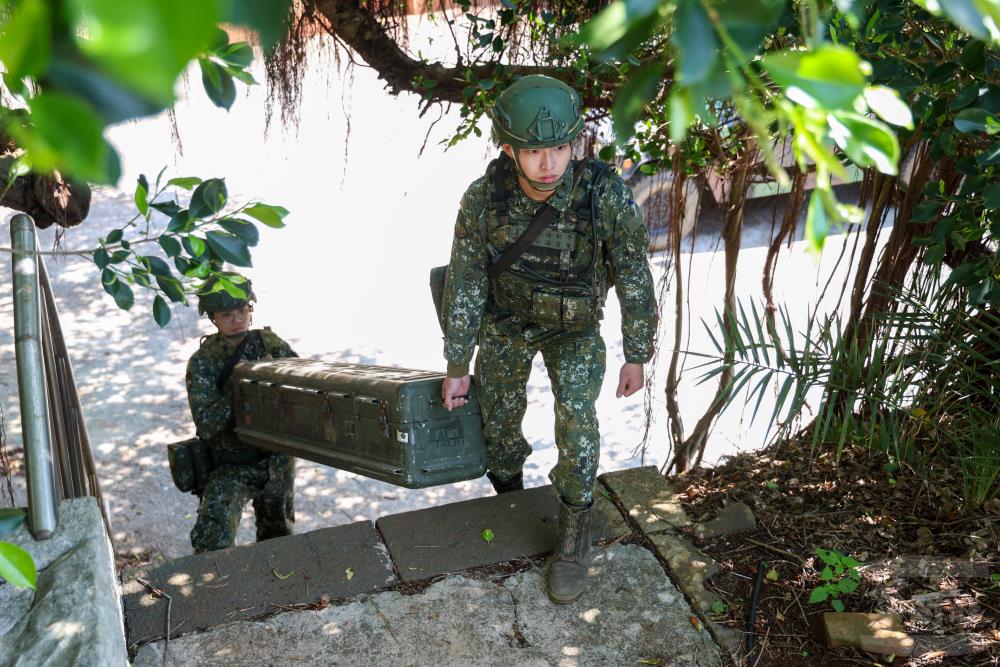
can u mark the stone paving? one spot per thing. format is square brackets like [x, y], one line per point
[412, 590]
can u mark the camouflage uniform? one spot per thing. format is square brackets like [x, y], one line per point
[574, 356]
[243, 473]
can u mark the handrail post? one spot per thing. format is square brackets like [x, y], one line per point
[31, 379]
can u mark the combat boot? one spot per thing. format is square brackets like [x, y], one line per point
[566, 579]
[515, 483]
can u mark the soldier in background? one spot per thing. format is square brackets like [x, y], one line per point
[241, 472]
[548, 298]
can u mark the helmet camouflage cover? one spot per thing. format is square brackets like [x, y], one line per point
[214, 298]
[537, 111]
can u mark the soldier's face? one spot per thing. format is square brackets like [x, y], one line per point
[543, 164]
[233, 322]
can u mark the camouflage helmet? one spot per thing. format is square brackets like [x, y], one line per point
[215, 299]
[537, 111]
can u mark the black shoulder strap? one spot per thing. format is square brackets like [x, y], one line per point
[500, 188]
[234, 358]
[584, 205]
[545, 214]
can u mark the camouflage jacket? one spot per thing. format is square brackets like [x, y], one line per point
[621, 231]
[212, 409]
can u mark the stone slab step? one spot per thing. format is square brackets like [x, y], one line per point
[241, 582]
[648, 498]
[429, 542]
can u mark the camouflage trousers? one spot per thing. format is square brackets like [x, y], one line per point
[575, 362]
[268, 483]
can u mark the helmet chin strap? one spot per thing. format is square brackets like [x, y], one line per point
[538, 185]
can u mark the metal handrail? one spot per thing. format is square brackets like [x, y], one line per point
[31, 379]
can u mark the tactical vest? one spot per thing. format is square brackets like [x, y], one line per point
[562, 279]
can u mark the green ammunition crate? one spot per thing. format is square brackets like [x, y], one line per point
[380, 422]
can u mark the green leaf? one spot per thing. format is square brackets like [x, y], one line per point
[168, 207]
[171, 246]
[66, 134]
[980, 18]
[141, 195]
[972, 120]
[194, 245]
[831, 77]
[837, 605]
[161, 311]
[818, 595]
[228, 248]
[237, 54]
[218, 84]
[817, 224]
[934, 254]
[230, 287]
[114, 236]
[208, 198]
[140, 276]
[487, 535]
[869, 143]
[748, 22]
[241, 228]
[267, 17]
[26, 40]
[640, 88]
[847, 585]
[157, 266]
[180, 222]
[113, 101]
[272, 216]
[853, 11]
[989, 156]
[886, 102]
[826, 574]
[101, 258]
[621, 27]
[185, 182]
[992, 196]
[694, 42]
[680, 113]
[967, 96]
[17, 566]
[123, 296]
[146, 44]
[10, 519]
[171, 287]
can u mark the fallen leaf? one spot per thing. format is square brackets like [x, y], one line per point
[281, 576]
[695, 622]
[349, 573]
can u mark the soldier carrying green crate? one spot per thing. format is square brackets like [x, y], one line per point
[539, 241]
[226, 472]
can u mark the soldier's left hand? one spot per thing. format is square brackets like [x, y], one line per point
[630, 380]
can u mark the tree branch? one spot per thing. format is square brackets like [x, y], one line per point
[349, 22]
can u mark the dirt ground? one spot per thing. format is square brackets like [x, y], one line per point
[806, 501]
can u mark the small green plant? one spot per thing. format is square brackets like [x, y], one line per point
[16, 564]
[839, 576]
[995, 578]
[719, 607]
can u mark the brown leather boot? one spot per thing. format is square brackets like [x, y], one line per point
[515, 483]
[566, 579]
